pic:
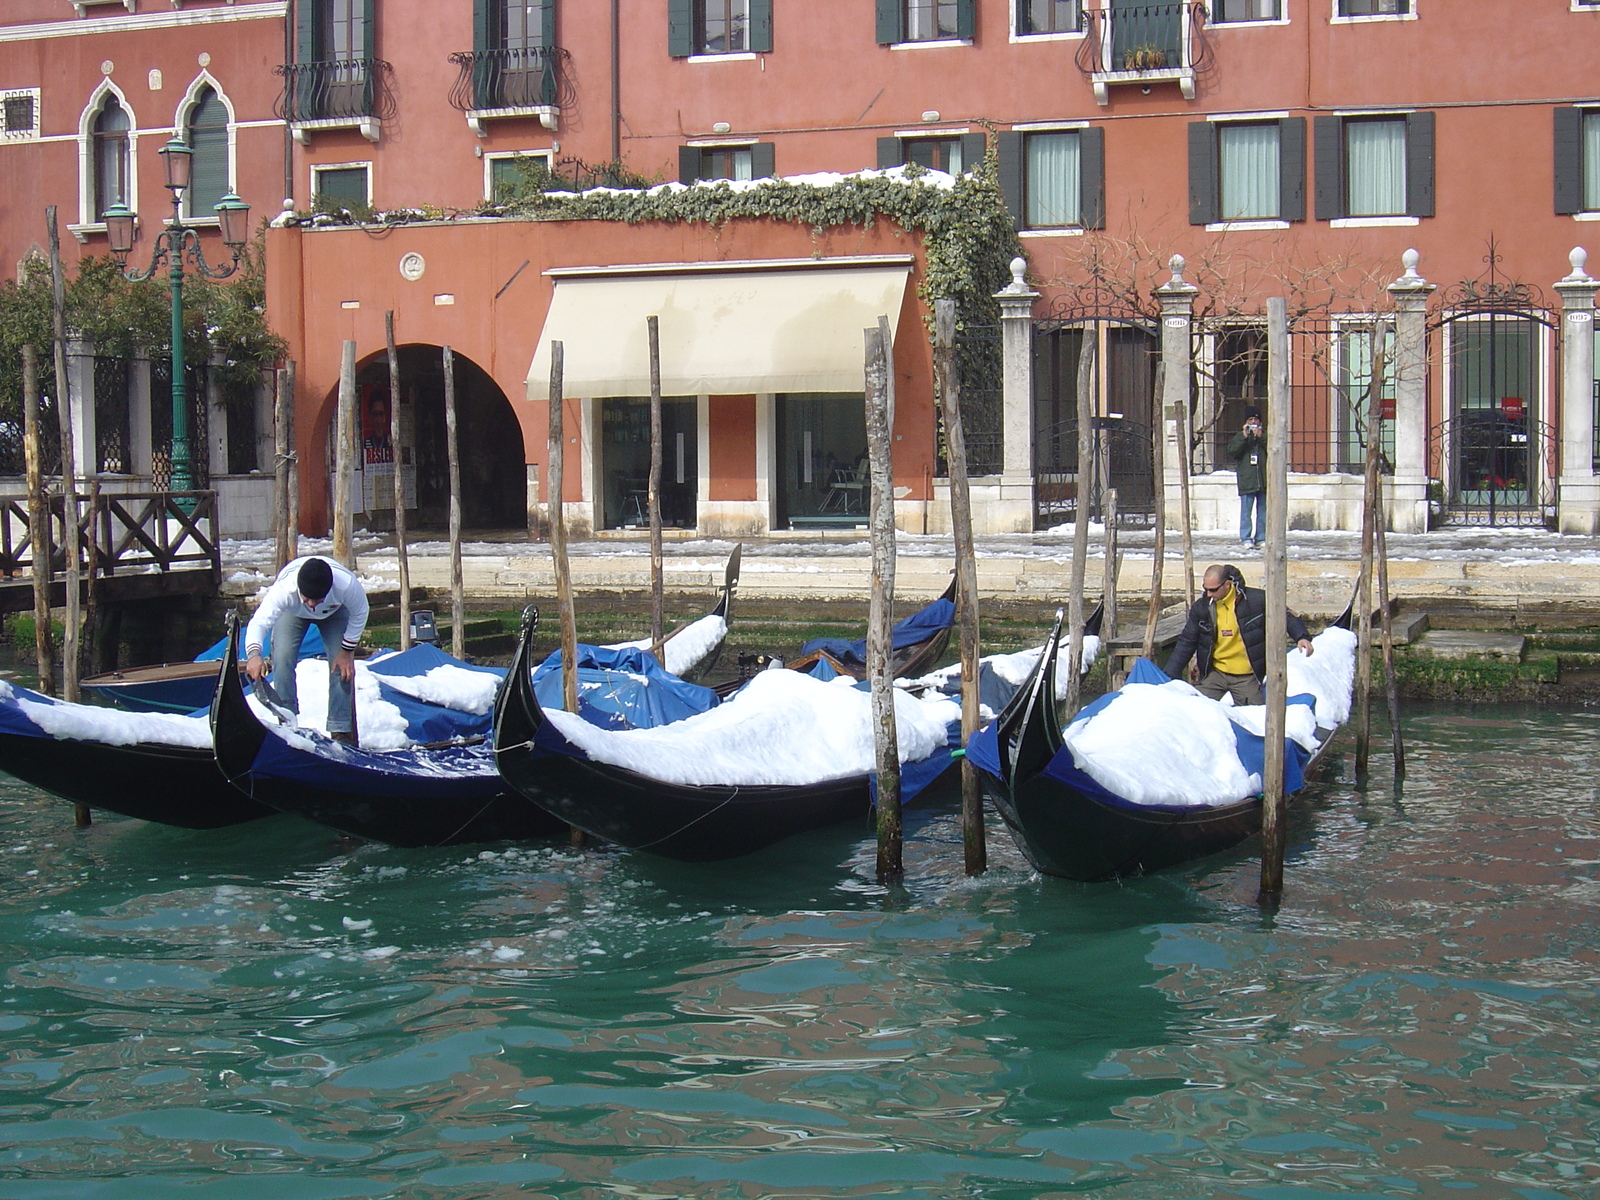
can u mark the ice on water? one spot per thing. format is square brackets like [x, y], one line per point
[1168, 744]
[781, 728]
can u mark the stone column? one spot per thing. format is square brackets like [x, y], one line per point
[1177, 378]
[139, 419]
[1013, 512]
[1408, 486]
[216, 421]
[80, 373]
[1578, 502]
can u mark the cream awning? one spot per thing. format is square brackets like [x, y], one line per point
[723, 331]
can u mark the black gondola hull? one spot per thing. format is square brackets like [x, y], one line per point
[687, 823]
[171, 785]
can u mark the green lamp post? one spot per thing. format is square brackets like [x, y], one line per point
[171, 246]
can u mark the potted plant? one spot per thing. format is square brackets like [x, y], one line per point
[1145, 57]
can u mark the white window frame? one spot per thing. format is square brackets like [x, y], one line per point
[1256, 23]
[547, 155]
[88, 221]
[131, 5]
[317, 169]
[30, 135]
[180, 126]
[1337, 19]
[1026, 38]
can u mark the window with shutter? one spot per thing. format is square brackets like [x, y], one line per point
[1048, 16]
[207, 134]
[1225, 11]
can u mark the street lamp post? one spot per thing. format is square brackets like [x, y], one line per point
[171, 245]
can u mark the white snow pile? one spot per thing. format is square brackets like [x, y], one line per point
[1011, 668]
[381, 723]
[781, 728]
[1167, 744]
[110, 726]
[446, 686]
[685, 649]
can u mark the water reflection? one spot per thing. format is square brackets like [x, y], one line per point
[275, 1012]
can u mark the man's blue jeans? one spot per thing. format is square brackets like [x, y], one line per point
[1259, 501]
[286, 635]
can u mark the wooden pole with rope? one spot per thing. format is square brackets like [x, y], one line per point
[398, 488]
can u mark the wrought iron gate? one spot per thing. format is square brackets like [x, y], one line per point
[1493, 454]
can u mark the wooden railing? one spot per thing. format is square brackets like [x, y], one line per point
[121, 533]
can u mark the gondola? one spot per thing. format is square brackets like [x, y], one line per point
[917, 642]
[442, 793]
[648, 805]
[155, 767]
[1068, 824]
[180, 687]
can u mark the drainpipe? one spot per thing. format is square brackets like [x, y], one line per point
[616, 83]
[289, 26]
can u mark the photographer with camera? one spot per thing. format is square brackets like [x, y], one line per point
[1248, 449]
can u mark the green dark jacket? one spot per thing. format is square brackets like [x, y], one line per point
[1250, 458]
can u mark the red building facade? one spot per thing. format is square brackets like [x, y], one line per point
[1283, 147]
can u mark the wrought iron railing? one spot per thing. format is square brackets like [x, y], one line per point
[531, 77]
[1145, 38]
[338, 89]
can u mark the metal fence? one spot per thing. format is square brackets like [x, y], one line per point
[526, 77]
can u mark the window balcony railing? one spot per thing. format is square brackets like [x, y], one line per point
[345, 93]
[530, 81]
[1144, 44]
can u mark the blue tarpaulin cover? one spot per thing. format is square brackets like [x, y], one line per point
[430, 722]
[310, 646]
[918, 627]
[622, 687]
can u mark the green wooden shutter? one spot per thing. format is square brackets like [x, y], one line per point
[1419, 164]
[680, 28]
[1292, 169]
[308, 31]
[482, 33]
[1327, 153]
[369, 29]
[688, 164]
[763, 160]
[208, 138]
[1569, 160]
[972, 148]
[1092, 177]
[890, 15]
[890, 153]
[966, 18]
[547, 23]
[760, 35]
[1205, 201]
[485, 35]
[1009, 150]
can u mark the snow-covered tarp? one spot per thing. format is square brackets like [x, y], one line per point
[1165, 744]
[1000, 675]
[783, 728]
[20, 707]
[685, 649]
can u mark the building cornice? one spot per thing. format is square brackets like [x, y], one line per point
[138, 22]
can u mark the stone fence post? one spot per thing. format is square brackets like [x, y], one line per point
[1578, 503]
[80, 370]
[1408, 486]
[1177, 297]
[1015, 509]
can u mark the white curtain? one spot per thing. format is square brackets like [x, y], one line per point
[1591, 162]
[1249, 161]
[1376, 167]
[1053, 174]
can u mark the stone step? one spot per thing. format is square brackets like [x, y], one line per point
[1456, 644]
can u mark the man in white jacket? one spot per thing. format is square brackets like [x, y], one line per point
[311, 591]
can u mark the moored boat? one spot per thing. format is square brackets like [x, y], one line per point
[1169, 777]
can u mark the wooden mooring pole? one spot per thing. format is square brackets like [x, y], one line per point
[1080, 522]
[1158, 479]
[398, 487]
[1108, 583]
[1369, 515]
[657, 563]
[292, 550]
[344, 458]
[283, 447]
[1185, 505]
[69, 475]
[1276, 585]
[975, 850]
[556, 451]
[880, 617]
[1391, 680]
[458, 595]
[38, 523]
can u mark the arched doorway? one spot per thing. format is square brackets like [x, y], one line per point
[493, 474]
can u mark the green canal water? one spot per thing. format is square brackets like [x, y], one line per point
[267, 1013]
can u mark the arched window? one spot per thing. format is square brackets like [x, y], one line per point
[207, 134]
[111, 159]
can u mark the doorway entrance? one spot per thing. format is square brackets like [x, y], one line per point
[822, 460]
[624, 465]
